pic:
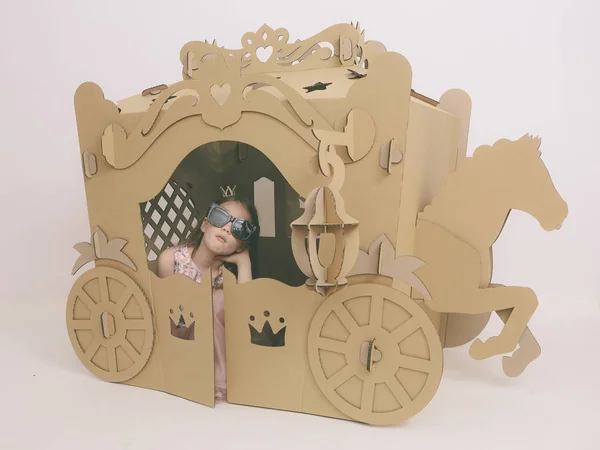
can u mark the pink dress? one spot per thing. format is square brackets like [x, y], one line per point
[185, 266]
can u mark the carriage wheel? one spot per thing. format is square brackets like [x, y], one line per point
[110, 324]
[409, 369]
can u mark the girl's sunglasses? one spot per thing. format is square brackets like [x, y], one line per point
[240, 228]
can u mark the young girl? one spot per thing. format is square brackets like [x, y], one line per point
[226, 236]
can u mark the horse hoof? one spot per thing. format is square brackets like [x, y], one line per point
[515, 365]
[477, 350]
[492, 347]
[512, 366]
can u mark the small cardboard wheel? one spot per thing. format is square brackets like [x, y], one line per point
[409, 367]
[110, 324]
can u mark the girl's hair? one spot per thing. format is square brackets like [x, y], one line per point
[195, 237]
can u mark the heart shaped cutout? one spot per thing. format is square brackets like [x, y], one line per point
[220, 93]
[264, 53]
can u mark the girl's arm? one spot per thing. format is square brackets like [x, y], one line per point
[244, 266]
[166, 263]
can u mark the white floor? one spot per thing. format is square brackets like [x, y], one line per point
[49, 401]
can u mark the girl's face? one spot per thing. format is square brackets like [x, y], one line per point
[220, 241]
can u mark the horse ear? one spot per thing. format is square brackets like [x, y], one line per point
[533, 142]
[482, 150]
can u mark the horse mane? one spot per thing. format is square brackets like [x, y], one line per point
[455, 187]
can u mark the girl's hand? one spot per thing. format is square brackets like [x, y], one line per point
[238, 258]
[242, 261]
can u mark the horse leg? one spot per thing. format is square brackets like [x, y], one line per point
[523, 303]
[528, 350]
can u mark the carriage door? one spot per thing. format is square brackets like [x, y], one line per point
[182, 307]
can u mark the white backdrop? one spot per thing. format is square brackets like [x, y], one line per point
[529, 67]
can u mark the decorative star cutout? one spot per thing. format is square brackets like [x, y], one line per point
[354, 75]
[318, 86]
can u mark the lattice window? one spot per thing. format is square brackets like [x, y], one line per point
[167, 219]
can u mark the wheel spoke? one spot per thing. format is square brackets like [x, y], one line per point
[404, 330]
[340, 377]
[331, 345]
[112, 359]
[124, 298]
[368, 393]
[376, 311]
[130, 350]
[86, 300]
[346, 318]
[82, 324]
[418, 364]
[399, 392]
[103, 282]
[136, 324]
[92, 349]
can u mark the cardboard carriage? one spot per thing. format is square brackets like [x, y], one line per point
[376, 230]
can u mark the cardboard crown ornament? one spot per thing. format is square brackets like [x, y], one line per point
[375, 229]
[228, 191]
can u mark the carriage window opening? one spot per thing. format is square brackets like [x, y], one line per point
[170, 217]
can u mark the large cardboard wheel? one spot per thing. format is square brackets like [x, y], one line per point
[110, 324]
[408, 373]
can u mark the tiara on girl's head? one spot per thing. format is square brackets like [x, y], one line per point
[228, 191]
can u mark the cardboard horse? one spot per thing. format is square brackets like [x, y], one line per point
[456, 231]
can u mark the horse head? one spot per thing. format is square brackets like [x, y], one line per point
[527, 185]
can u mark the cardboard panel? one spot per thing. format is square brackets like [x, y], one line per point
[431, 148]
[268, 50]
[266, 338]
[460, 329]
[184, 321]
[458, 103]
[385, 96]
[264, 193]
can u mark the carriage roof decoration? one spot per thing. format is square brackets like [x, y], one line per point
[362, 185]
